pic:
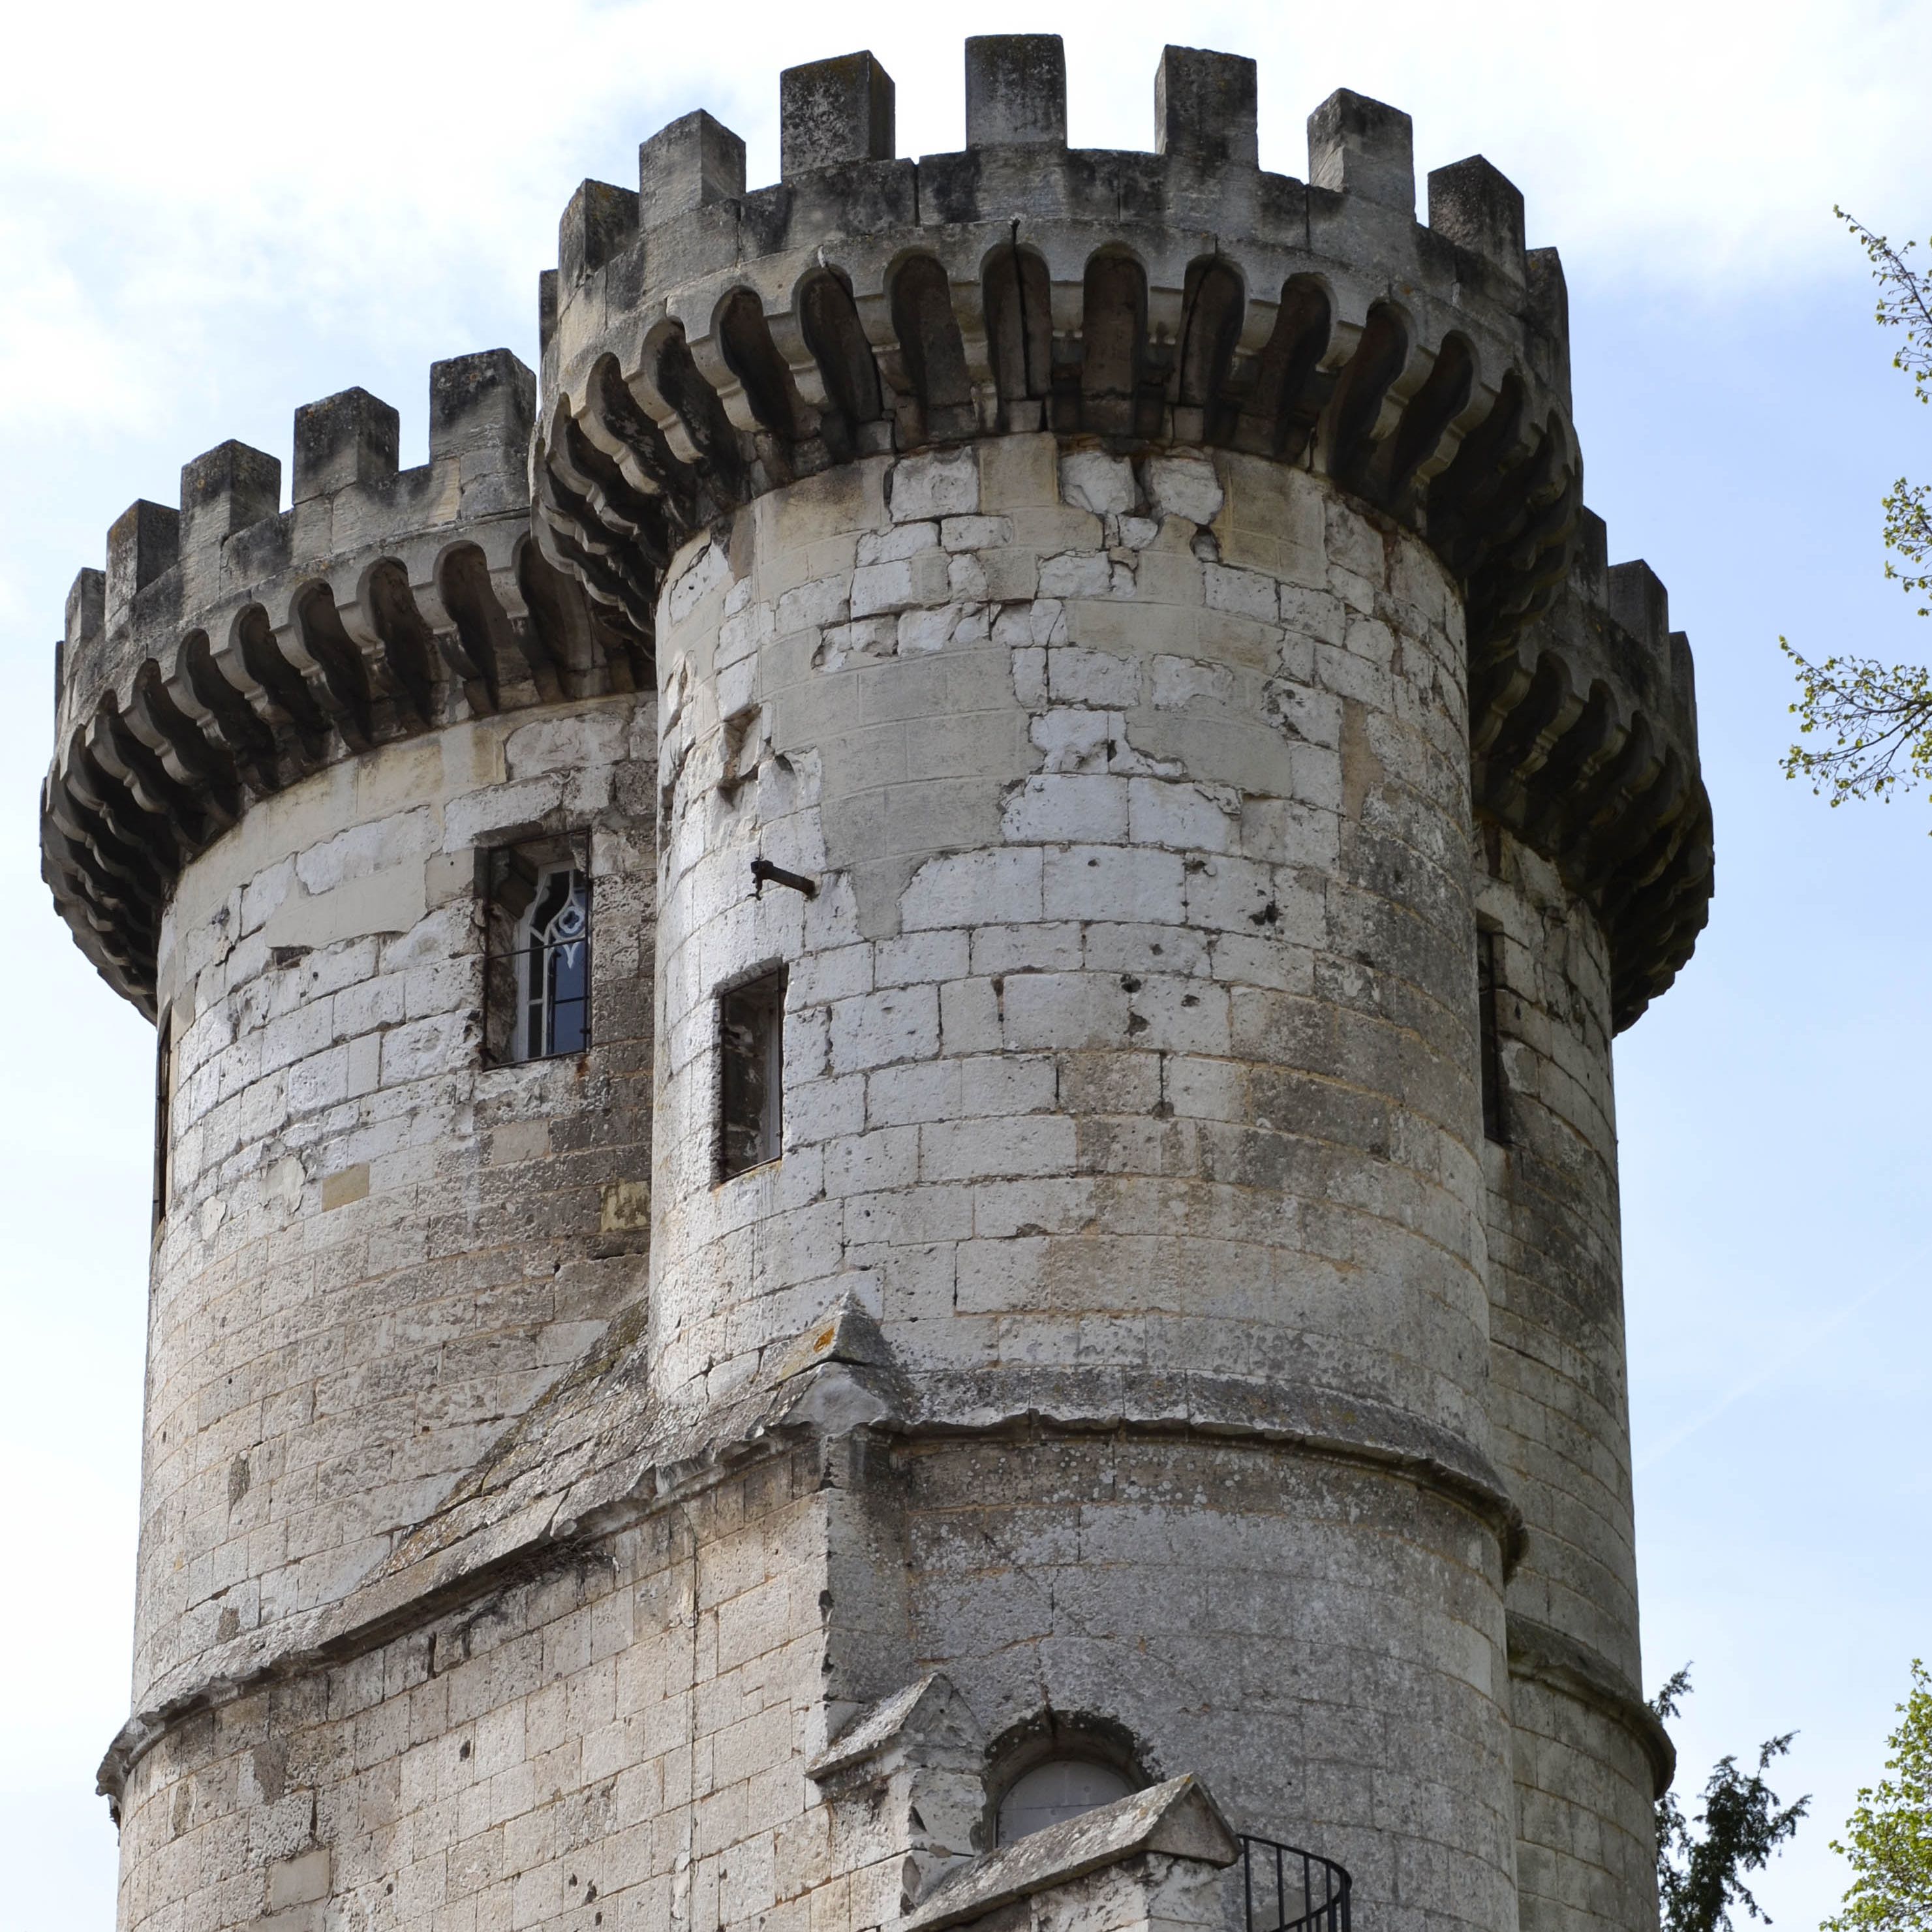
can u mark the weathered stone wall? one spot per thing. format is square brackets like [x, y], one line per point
[1319, 1642]
[620, 1743]
[1560, 1406]
[1131, 1088]
[1585, 1839]
[1133, 1027]
[1130, 1048]
[377, 1250]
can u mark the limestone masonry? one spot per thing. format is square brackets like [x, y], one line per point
[886, 1192]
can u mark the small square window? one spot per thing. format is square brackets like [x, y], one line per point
[537, 968]
[751, 1039]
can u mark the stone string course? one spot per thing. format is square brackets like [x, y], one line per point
[1138, 612]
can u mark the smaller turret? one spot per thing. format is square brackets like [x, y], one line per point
[231, 646]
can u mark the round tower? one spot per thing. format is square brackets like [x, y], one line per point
[899, 1073]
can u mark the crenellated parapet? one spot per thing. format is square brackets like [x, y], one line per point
[703, 344]
[231, 647]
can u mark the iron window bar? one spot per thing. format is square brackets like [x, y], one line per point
[1323, 1888]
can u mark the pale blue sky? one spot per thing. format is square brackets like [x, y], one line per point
[210, 214]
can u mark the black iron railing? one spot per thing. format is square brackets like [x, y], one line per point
[1285, 1889]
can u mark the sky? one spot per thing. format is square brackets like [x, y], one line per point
[210, 214]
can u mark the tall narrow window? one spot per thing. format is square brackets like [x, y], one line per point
[1488, 980]
[751, 1039]
[164, 1095]
[537, 991]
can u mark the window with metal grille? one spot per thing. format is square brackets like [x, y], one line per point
[537, 969]
[751, 1041]
[1488, 980]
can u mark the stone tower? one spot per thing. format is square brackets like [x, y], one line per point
[886, 1188]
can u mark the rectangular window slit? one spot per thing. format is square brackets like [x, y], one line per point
[1489, 979]
[751, 1040]
[164, 1094]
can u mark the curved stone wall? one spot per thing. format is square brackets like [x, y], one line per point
[639, 1729]
[1589, 1759]
[1319, 1642]
[1132, 1029]
[377, 1250]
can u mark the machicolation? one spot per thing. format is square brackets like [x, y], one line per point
[885, 1065]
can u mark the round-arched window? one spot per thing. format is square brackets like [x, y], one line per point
[1053, 1792]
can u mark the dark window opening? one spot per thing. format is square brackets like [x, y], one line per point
[164, 1094]
[751, 1039]
[537, 968]
[1489, 982]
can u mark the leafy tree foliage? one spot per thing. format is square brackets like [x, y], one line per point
[1865, 727]
[1890, 1831]
[1701, 1862]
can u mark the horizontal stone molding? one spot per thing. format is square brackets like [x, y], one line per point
[232, 647]
[1546, 1656]
[554, 1503]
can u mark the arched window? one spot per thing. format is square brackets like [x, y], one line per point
[536, 985]
[554, 967]
[1055, 1790]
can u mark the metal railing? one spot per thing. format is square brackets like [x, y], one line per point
[1277, 1879]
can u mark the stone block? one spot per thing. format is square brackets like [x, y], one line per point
[86, 608]
[1015, 90]
[302, 1880]
[835, 111]
[143, 542]
[224, 490]
[692, 163]
[1639, 602]
[1205, 108]
[484, 403]
[943, 484]
[343, 441]
[1363, 147]
[599, 222]
[1479, 208]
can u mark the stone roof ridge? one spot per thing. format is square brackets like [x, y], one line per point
[1179, 1817]
[846, 1333]
[929, 1714]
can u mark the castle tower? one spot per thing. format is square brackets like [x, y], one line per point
[887, 1184]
